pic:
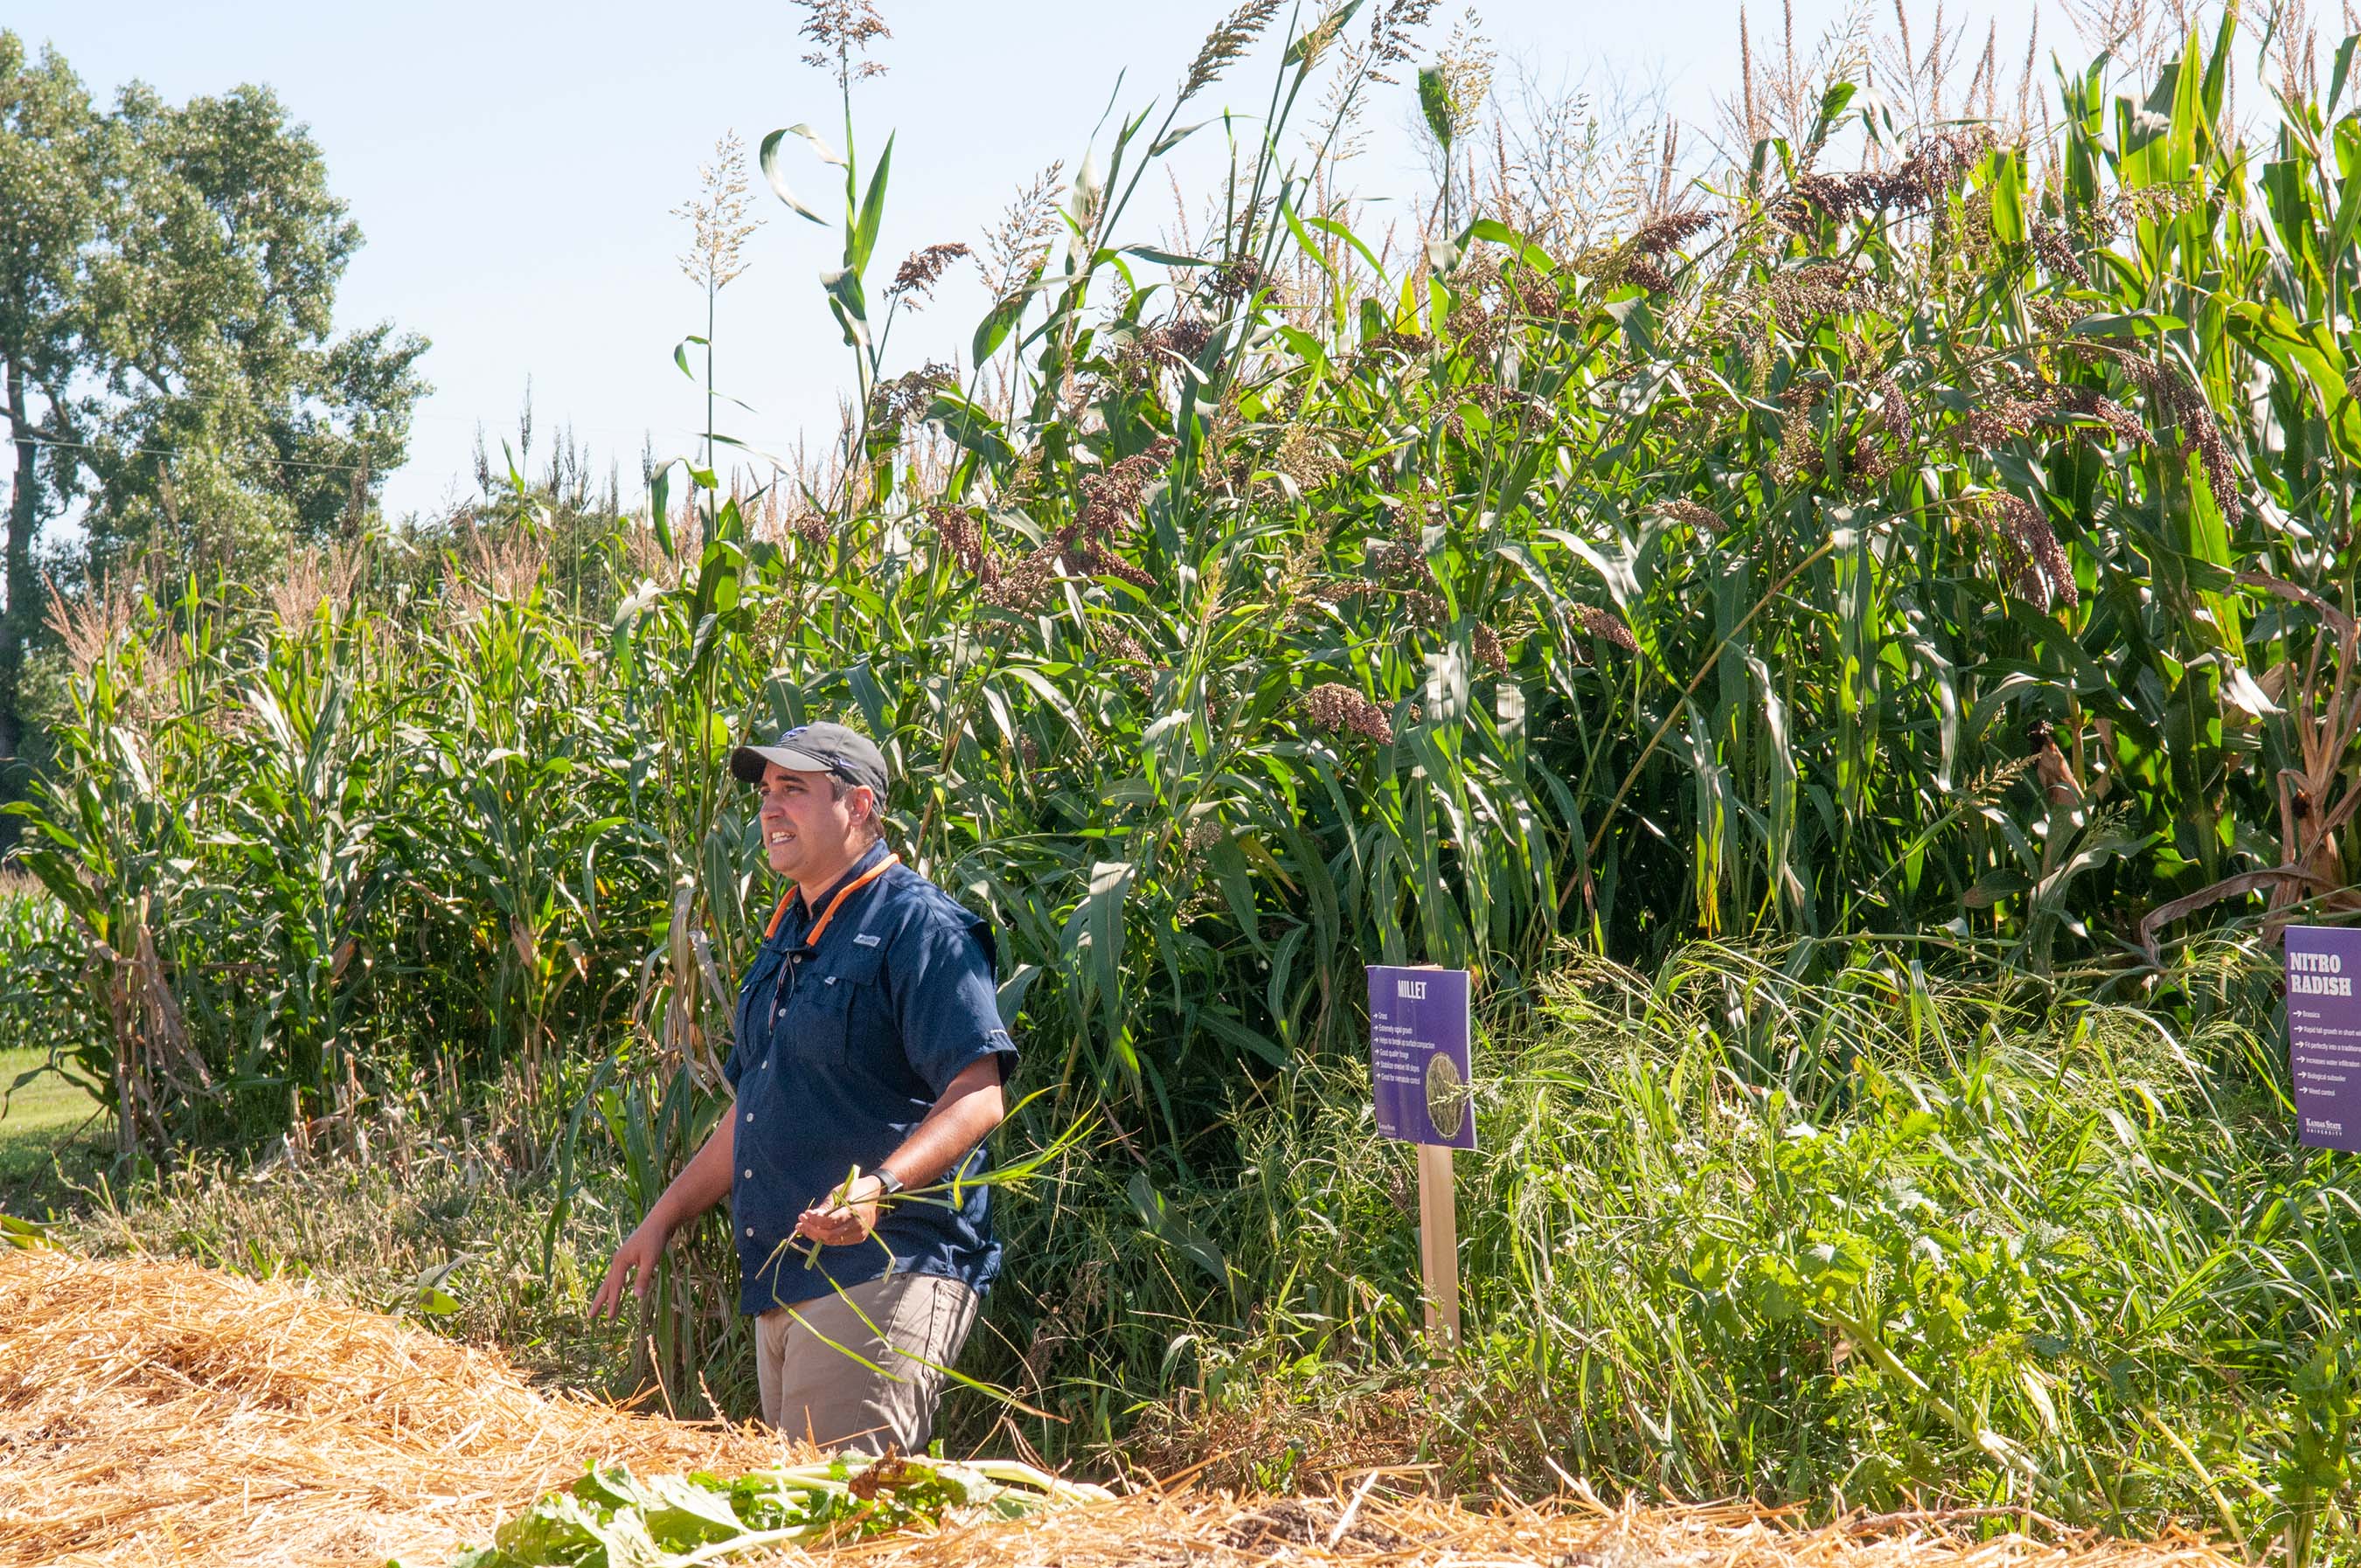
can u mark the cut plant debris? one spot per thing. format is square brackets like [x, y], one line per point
[611, 1516]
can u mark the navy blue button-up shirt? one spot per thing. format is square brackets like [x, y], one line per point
[841, 1050]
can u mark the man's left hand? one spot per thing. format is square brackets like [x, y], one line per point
[847, 1223]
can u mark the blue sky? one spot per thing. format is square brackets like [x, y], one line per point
[514, 167]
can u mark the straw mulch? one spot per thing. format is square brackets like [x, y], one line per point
[160, 1413]
[163, 1413]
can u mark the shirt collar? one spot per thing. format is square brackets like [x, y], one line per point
[802, 912]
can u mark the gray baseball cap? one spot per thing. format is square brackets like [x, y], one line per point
[816, 749]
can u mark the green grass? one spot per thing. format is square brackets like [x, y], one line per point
[52, 1135]
[1871, 1241]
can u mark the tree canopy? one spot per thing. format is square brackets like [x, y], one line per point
[169, 367]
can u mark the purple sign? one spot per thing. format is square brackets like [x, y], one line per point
[1418, 1055]
[2324, 1019]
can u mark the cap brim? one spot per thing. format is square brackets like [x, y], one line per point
[747, 761]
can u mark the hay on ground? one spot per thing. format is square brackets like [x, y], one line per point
[156, 1412]
[161, 1412]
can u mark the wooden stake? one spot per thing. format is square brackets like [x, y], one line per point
[1438, 1242]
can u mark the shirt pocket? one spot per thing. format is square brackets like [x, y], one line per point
[834, 1005]
[748, 1030]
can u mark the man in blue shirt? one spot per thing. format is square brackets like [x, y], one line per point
[868, 1066]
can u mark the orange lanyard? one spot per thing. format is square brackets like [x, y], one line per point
[812, 939]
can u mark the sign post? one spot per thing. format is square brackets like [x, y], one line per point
[1419, 1069]
[2324, 1020]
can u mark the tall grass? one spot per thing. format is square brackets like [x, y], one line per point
[1880, 1240]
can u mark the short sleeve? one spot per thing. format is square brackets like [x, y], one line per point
[944, 1003]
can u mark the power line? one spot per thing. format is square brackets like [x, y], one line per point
[180, 451]
[233, 399]
[566, 421]
[177, 451]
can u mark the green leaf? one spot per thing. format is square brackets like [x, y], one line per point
[1435, 103]
[862, 241]
[1302, 238]
[2127, 323]
[659, 507]
[683, 1515]
[2305, 353]
[769, 158]
[1234, 1033]
[2347, 136]
[1041, 686]
[561, 1528]
[1164, 257]
[717, 578]
[1097, 923]
[25, 1236]
[817, 143]
[2007, 198]
[1308, 44]
[1500, 234]
[1175, 136]
[997, 323]
[1330, 225]
[1993, 886]
[1167, 1225]
[850, 304]
[969, 426]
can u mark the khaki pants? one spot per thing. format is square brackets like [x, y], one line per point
[813, 1389]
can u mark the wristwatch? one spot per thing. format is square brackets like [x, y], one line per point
[888, 1184]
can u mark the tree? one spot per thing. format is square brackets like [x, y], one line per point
[52, 199]
[232, 423]
[168, 279]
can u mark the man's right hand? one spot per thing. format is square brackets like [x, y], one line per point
[635, 1267]
[704, 1183]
